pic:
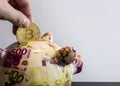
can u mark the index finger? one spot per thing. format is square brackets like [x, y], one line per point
[25, 7]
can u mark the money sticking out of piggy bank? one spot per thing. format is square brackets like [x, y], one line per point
[38, 63]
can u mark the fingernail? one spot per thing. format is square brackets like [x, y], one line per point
[26, 22]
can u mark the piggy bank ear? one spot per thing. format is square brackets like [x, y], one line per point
[65, 56]
[2, 53]
[77, 64]
[13, 45]
[47, 37]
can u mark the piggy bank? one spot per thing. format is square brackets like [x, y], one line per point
[38, 63]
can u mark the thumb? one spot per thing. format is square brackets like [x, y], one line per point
[16, 17]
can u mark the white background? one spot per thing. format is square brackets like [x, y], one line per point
[92, 27]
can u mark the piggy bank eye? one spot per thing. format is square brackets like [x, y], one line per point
[24, 63]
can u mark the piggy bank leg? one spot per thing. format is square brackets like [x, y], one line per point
[77, 64]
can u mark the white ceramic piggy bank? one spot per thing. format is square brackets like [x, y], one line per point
[38, 63]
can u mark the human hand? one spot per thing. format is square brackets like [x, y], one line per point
[17, 12]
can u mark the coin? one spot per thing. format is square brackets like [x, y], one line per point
[30, 33]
